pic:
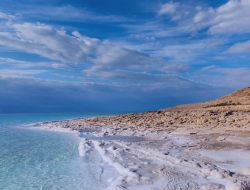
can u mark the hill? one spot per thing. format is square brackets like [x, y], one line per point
[239, 100]
[229, 112]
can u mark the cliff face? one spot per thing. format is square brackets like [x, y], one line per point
[229, 112]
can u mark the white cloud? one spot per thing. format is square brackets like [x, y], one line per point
[20, 72]
[204, 16]
[10, 62]
[58, 45]
[47, 41]
[168, 8]
[6, 16]
[224, 77]
[195, 50]
[243, 47]
[110, 60]
[105, 59]
[67, 13]
[114, 61]
[230, 18]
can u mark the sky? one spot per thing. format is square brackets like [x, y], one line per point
[95, 56]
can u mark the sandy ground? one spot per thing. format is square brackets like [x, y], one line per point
[180, 158]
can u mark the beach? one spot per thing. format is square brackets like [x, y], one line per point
[125, 95]
[197, 146]
[172, 159]
[187, 147]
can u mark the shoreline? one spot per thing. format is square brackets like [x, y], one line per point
[181, 154]
[202, 146]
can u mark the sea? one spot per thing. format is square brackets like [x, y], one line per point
[33, 159]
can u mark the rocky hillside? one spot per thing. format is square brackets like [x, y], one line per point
[231, 111]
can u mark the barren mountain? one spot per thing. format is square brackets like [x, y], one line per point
[240, 97]
[239, 100]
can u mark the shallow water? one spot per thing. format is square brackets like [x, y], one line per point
[44, 160]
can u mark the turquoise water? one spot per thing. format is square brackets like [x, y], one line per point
[43, 160]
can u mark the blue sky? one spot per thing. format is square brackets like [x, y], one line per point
[120, 55]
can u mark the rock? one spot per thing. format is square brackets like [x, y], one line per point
[221, 138]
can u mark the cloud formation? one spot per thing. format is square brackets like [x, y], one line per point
[47, 41]
[146, 59]
[242, 47]
[168, 8]
[230, 18]
[221, 77]
[104, 59]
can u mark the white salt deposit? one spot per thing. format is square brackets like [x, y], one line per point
[233, 160]
[84, 147]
